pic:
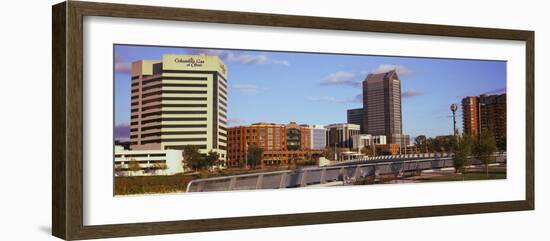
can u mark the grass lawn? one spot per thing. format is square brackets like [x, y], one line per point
[476, 174]
[151, 184]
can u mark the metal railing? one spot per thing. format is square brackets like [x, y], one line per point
[321, 175]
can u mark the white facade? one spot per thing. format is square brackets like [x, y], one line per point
[178, 101]
[340, 134]
[151, 162]
[364, 140]
[318, 137]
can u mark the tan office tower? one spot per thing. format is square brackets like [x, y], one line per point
[177, 101]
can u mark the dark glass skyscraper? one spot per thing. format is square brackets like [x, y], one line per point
[355, 116]
[382, 107]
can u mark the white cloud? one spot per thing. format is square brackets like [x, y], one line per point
[121, 65]
[123, 68]
[242, 58]
[340, 78]
[283, 62]
[400, 69]
[357, 99]
[247, 58]
[216, 52]
[411, 93]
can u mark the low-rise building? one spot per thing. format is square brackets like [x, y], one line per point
[340, 135]
[147, 162]
[318, 136]
[402, 140]
[388, 149]
[349, 155]
[282, 144]
[366, 140]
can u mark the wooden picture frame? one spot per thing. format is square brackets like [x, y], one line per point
[67, 123]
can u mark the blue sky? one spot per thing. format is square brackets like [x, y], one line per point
[318, 88]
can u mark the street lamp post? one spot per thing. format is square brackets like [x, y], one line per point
[246, 155]
[454, 107]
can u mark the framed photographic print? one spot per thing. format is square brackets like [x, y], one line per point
[213, 120]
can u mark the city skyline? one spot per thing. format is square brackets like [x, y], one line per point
[319, 88]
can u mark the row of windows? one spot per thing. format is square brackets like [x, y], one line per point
[172, 126]
[223, 97]
[170, 98]
[141, 155]
[151, 80]
[173, 140]
[173, 133]
[173, 119]
[180, 147]
[223, 103]
[158, 113]
[261, 131]
[151, 94]
[222, 83]
[222, 90]
[169, 105]
[171, 85]
[183, 91]
[184, 78]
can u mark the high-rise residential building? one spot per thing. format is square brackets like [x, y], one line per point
[177, 101]
[340, 135]
[485, 113]
[318, 136]
[470, 115]
[355, 116]
[493, 116]
[281, 143]
[382, 106]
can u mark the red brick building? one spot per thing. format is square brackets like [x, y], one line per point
[282, 144]
[485, 113]
[470, 115]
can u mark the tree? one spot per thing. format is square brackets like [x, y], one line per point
[463, 152]
[501, 144]
[254, 155]
[434, 145]
[133, 166]
[450, 144]
[328, 153]
[367, 150]
[484, 148]
[212, 158]
[421, 143]
[192, 157]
